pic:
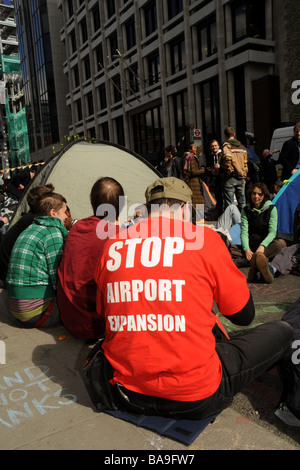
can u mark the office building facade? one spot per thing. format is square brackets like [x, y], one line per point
[149, 73]
[43, 82]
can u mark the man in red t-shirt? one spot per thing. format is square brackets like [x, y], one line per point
[156, 283]
[76, 290]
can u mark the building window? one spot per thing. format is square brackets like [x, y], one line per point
[177, 50]
[73, 42]
[248, 20]
[207, 39]
[70, 8]
[111, 8]
[130, 34]
[153, 69]
[132, 82]
[113, 41]
[120, 131]
[99, 57]
[150, 15]
[96, 18]
[148, 134]
[210, 110]
[102, 97]
[105, 131]
[117, 89]
[174, 7]
[90, 104]
[76, 80]
[180, 103]
[79, 110]
[87, 68]
[84, 32]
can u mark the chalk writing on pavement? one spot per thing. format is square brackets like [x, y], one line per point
[30, 393]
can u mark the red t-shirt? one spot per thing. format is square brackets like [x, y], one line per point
[76, 290]
[156, 293]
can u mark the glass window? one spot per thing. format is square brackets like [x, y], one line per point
[207, 39]
[102, 97]
[96, 18]
[120, 130]
[130, 34]
[90, 103]
[111, 8]
[73, 42]
[210, 110]
[99, 57]
[133, 82]
[76, 80]
[84, 32]
[177, 50]
[153, 69]
[87, 68]
[148, 134]
[248, 20]
[113, 44]
[150, 18]
[70, 8]
[117, 89]
[180, 103]
[174, 7]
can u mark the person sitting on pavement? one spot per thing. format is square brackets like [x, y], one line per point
[160, 338]
[76, 291]
[24, 221]
[20, 181]
[32, 272]
[259, 232]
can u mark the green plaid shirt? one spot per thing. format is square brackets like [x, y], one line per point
[32, 271]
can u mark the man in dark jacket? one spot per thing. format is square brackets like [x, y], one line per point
[19, 182]
[290, 154]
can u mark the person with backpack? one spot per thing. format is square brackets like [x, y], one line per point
[235, 162]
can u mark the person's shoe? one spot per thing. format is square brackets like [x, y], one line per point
[287, 416]
[252, 277]
[262, 265]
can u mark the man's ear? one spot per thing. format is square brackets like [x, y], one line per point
[52, 213]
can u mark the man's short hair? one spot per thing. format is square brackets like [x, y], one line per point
[107, 190]
[229, 132]
[296, 126]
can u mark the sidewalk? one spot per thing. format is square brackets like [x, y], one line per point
[45, 406]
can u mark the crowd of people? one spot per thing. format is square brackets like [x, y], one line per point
[234, 180]
[136, 289]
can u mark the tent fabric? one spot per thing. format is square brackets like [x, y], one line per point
[76, 168]
[286, 202]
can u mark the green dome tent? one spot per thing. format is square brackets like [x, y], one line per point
[75, 169]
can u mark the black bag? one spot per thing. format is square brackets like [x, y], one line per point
[98, 372]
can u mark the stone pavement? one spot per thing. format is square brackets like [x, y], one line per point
[44, 404]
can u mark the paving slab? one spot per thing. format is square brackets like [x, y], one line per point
[44, 404]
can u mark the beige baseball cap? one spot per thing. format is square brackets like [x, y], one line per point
[170, 188]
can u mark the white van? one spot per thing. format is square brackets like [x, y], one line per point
[279, 136]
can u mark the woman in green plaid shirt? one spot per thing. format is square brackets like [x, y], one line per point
[32, 274]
